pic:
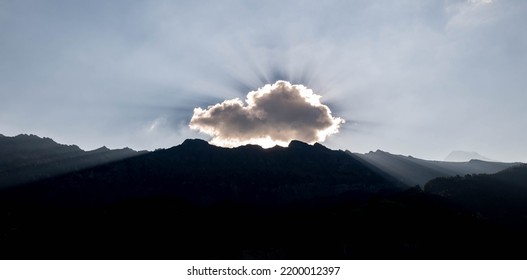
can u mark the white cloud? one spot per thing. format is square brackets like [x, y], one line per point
[272, 115]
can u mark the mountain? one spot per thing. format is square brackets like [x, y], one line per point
[198, 201]
[500, 197]
[194, 200]
[205, 174]
[462, 156]
[413, 171]
[27, 158]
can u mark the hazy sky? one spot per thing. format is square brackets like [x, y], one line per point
[410, 77]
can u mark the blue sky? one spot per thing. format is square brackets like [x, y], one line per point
[409, 77]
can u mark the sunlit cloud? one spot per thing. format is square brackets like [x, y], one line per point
[272, 115]
[394, 68]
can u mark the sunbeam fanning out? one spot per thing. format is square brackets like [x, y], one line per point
[272, 115]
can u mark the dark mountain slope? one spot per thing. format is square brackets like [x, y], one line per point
[501, 197]
[413, 171]
[27, 158]
[197, 201]
[401, 225]
[203, 173]
[192, 201]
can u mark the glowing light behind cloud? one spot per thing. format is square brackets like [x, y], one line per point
[402, 73]
[272, 115]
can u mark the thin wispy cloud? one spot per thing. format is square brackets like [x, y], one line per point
[480, 2]
[472, 13]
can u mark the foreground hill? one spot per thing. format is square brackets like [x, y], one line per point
[501, 197]
[413, 171]
[26, 158]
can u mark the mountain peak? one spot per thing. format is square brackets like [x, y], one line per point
[320, 146]
[297, 144]
[102, 149]
[464, 156]
[195, 143]
[377, 152]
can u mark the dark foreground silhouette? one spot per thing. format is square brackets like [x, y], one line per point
[197, 201]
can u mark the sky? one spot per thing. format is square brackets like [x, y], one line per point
[413, 77]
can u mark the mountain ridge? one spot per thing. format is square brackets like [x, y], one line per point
[199, 201]
[414, 171]
[298, 171]
[27, 157]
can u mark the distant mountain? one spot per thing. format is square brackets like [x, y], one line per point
[26, 158]
[413, 171]
[463, 156]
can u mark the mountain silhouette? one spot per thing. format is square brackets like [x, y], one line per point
[413, 171]
[462, 156]
[204, 173]
[26, 158]
[198, 201]
[195, 199]
[500, 197]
